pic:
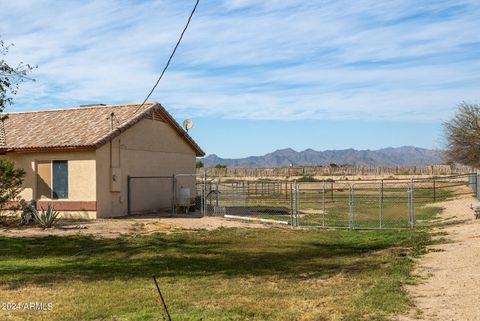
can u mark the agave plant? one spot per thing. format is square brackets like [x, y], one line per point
[47, 218]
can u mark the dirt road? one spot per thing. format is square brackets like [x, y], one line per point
[450, 289]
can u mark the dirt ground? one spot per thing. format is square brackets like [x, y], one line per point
[450, 284]
[111, 228]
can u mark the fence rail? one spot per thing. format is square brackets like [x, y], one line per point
[345, 170]
[361, 204]
[372, 204]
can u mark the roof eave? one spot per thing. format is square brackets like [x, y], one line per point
[43, 149]
[156, 106]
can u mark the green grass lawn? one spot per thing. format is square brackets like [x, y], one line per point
[225, 274]
[332, 206]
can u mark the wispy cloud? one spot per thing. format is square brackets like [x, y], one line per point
[365, 59]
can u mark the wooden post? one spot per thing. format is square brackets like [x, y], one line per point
[434, 191]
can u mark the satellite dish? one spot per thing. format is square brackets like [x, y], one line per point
[187, 124]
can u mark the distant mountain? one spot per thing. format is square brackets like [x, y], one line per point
[401, 156]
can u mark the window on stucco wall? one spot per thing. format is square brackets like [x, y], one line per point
[52, 179]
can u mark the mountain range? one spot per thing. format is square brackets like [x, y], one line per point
[391, 156]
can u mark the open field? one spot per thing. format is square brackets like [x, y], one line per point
[222, 274]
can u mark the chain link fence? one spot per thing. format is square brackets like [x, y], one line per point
[372, 204]
[361, 205]
[265, 201]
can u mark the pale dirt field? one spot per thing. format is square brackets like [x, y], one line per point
[357, 178]
[449, 288]
[136, 225]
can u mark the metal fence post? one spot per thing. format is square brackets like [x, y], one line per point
[411, 204]
[202, 196]
[477, 185]
[205, 204]
[331, 190]
[351, 201]
[380, 214]
[173, 195]
[294, 203]
[217, 192]
[129, 198]
[291, 205]
[297, 206]
[323, 204]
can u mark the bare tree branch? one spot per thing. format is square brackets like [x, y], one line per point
[10, 78]
[463, 135]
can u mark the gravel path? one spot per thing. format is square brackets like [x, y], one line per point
[450, 289]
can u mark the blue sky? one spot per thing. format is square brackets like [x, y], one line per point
[259, 75]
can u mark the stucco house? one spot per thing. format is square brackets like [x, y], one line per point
[78, 159]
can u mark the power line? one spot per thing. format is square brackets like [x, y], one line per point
[170, 58]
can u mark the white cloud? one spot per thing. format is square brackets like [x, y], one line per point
[252, 59]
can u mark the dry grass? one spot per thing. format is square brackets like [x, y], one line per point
[224, 274]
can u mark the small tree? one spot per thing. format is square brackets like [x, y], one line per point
[11, 180]
[199, 164]
[463, 136]
[220, 166]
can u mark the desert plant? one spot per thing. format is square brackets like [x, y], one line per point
[48, 218]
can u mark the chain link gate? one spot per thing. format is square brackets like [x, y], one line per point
[263, 200]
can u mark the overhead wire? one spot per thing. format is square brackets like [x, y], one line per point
[170, 58]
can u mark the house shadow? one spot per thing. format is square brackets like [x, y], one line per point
[175, 256]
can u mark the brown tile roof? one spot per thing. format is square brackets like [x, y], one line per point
[78, 128]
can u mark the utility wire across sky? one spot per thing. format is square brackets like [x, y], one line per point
[170, 58]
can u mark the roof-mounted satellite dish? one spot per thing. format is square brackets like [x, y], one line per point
[187, 124]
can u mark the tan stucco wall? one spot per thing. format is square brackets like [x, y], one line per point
[149, 148]
[77, 215]
[81, 176]
[81, 173]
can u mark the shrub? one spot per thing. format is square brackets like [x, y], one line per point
[48, 218]
[11, 180]
[307, 178]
